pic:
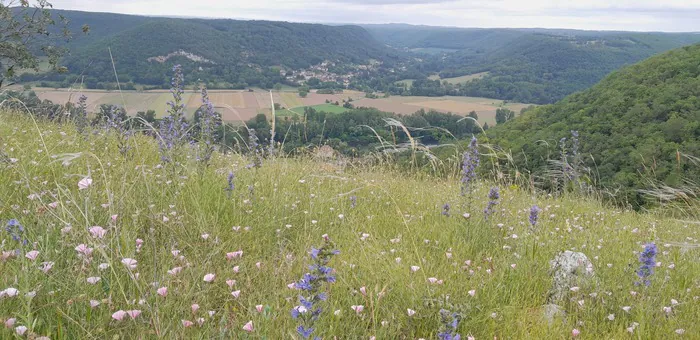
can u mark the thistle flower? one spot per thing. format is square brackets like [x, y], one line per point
[647, 258]
[310, 286]
[448, 328]
[470, 161]
[493, 196]
[534, 215]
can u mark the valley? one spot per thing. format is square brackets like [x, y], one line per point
[180, 175]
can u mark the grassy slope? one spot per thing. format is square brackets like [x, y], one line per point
[293, 203]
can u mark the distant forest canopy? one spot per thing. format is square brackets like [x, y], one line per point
[526, 65]
[639, 124]
[235, 53]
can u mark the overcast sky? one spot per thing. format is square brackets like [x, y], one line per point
[632, 15]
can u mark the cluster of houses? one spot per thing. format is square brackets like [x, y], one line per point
[321, 72]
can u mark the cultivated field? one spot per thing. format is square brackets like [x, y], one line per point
[236, 105]
[484, 107]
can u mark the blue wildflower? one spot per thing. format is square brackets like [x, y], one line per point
[448, 328]
[534, 215]
[15, 229]
[304, 332]
[311, 284]
[173, 128]
[446, 209]
[647, 258]
[209, 122]
[493, 197]
[470, 161]
[231, 185]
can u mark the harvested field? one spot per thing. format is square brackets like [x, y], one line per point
[291, 99]
[236, 105]
[484, 107]
[453, 106]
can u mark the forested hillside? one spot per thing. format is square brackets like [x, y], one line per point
[231, 51]
[639, 123]
[526, 65]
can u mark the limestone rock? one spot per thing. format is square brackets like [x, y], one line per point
[569, 269]
[552, 312]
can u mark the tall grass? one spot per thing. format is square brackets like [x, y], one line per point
[275, 214]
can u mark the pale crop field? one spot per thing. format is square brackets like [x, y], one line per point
[122, 246]
[237, 105]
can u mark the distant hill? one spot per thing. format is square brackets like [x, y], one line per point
[527, 65]
[230, 51]
[638, 122]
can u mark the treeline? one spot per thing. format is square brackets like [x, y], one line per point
[361, 130]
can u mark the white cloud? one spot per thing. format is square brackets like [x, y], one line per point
[638, 15]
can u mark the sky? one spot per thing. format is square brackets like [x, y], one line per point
[627, 15]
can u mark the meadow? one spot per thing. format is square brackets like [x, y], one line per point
[453, 80]
[98, 242]
[321, 107]
[460, 79]
[237, 105]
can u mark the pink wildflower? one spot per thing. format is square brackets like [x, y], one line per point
[84, 183]
[133, 313]
[97, 232]
[32, 255]
[130, 263]
[119, 315]
[163, 291]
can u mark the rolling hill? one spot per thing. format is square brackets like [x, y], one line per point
[231, 51]
[527, 65]
[639, 123]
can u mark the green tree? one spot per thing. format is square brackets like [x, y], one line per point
[27, 32]
[278, 87]
[503, 115]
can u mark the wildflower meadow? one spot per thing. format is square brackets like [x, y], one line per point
[108, 234]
